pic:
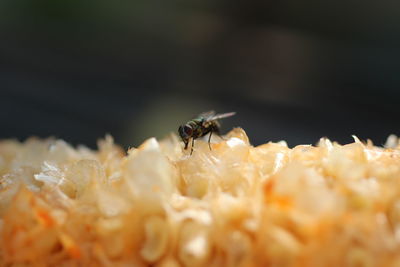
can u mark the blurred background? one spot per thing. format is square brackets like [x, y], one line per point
[292, 70]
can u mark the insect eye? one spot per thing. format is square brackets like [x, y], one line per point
[187, 129]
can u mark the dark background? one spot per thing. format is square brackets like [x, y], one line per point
[292, 70]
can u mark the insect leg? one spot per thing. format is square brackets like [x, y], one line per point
[186, 144]
[191, 151]
[209, 139]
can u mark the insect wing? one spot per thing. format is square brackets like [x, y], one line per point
[221, 116]
[207, 115]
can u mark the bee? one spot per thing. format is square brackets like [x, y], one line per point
[203, 124]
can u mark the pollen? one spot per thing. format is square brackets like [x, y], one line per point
[234, 205]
